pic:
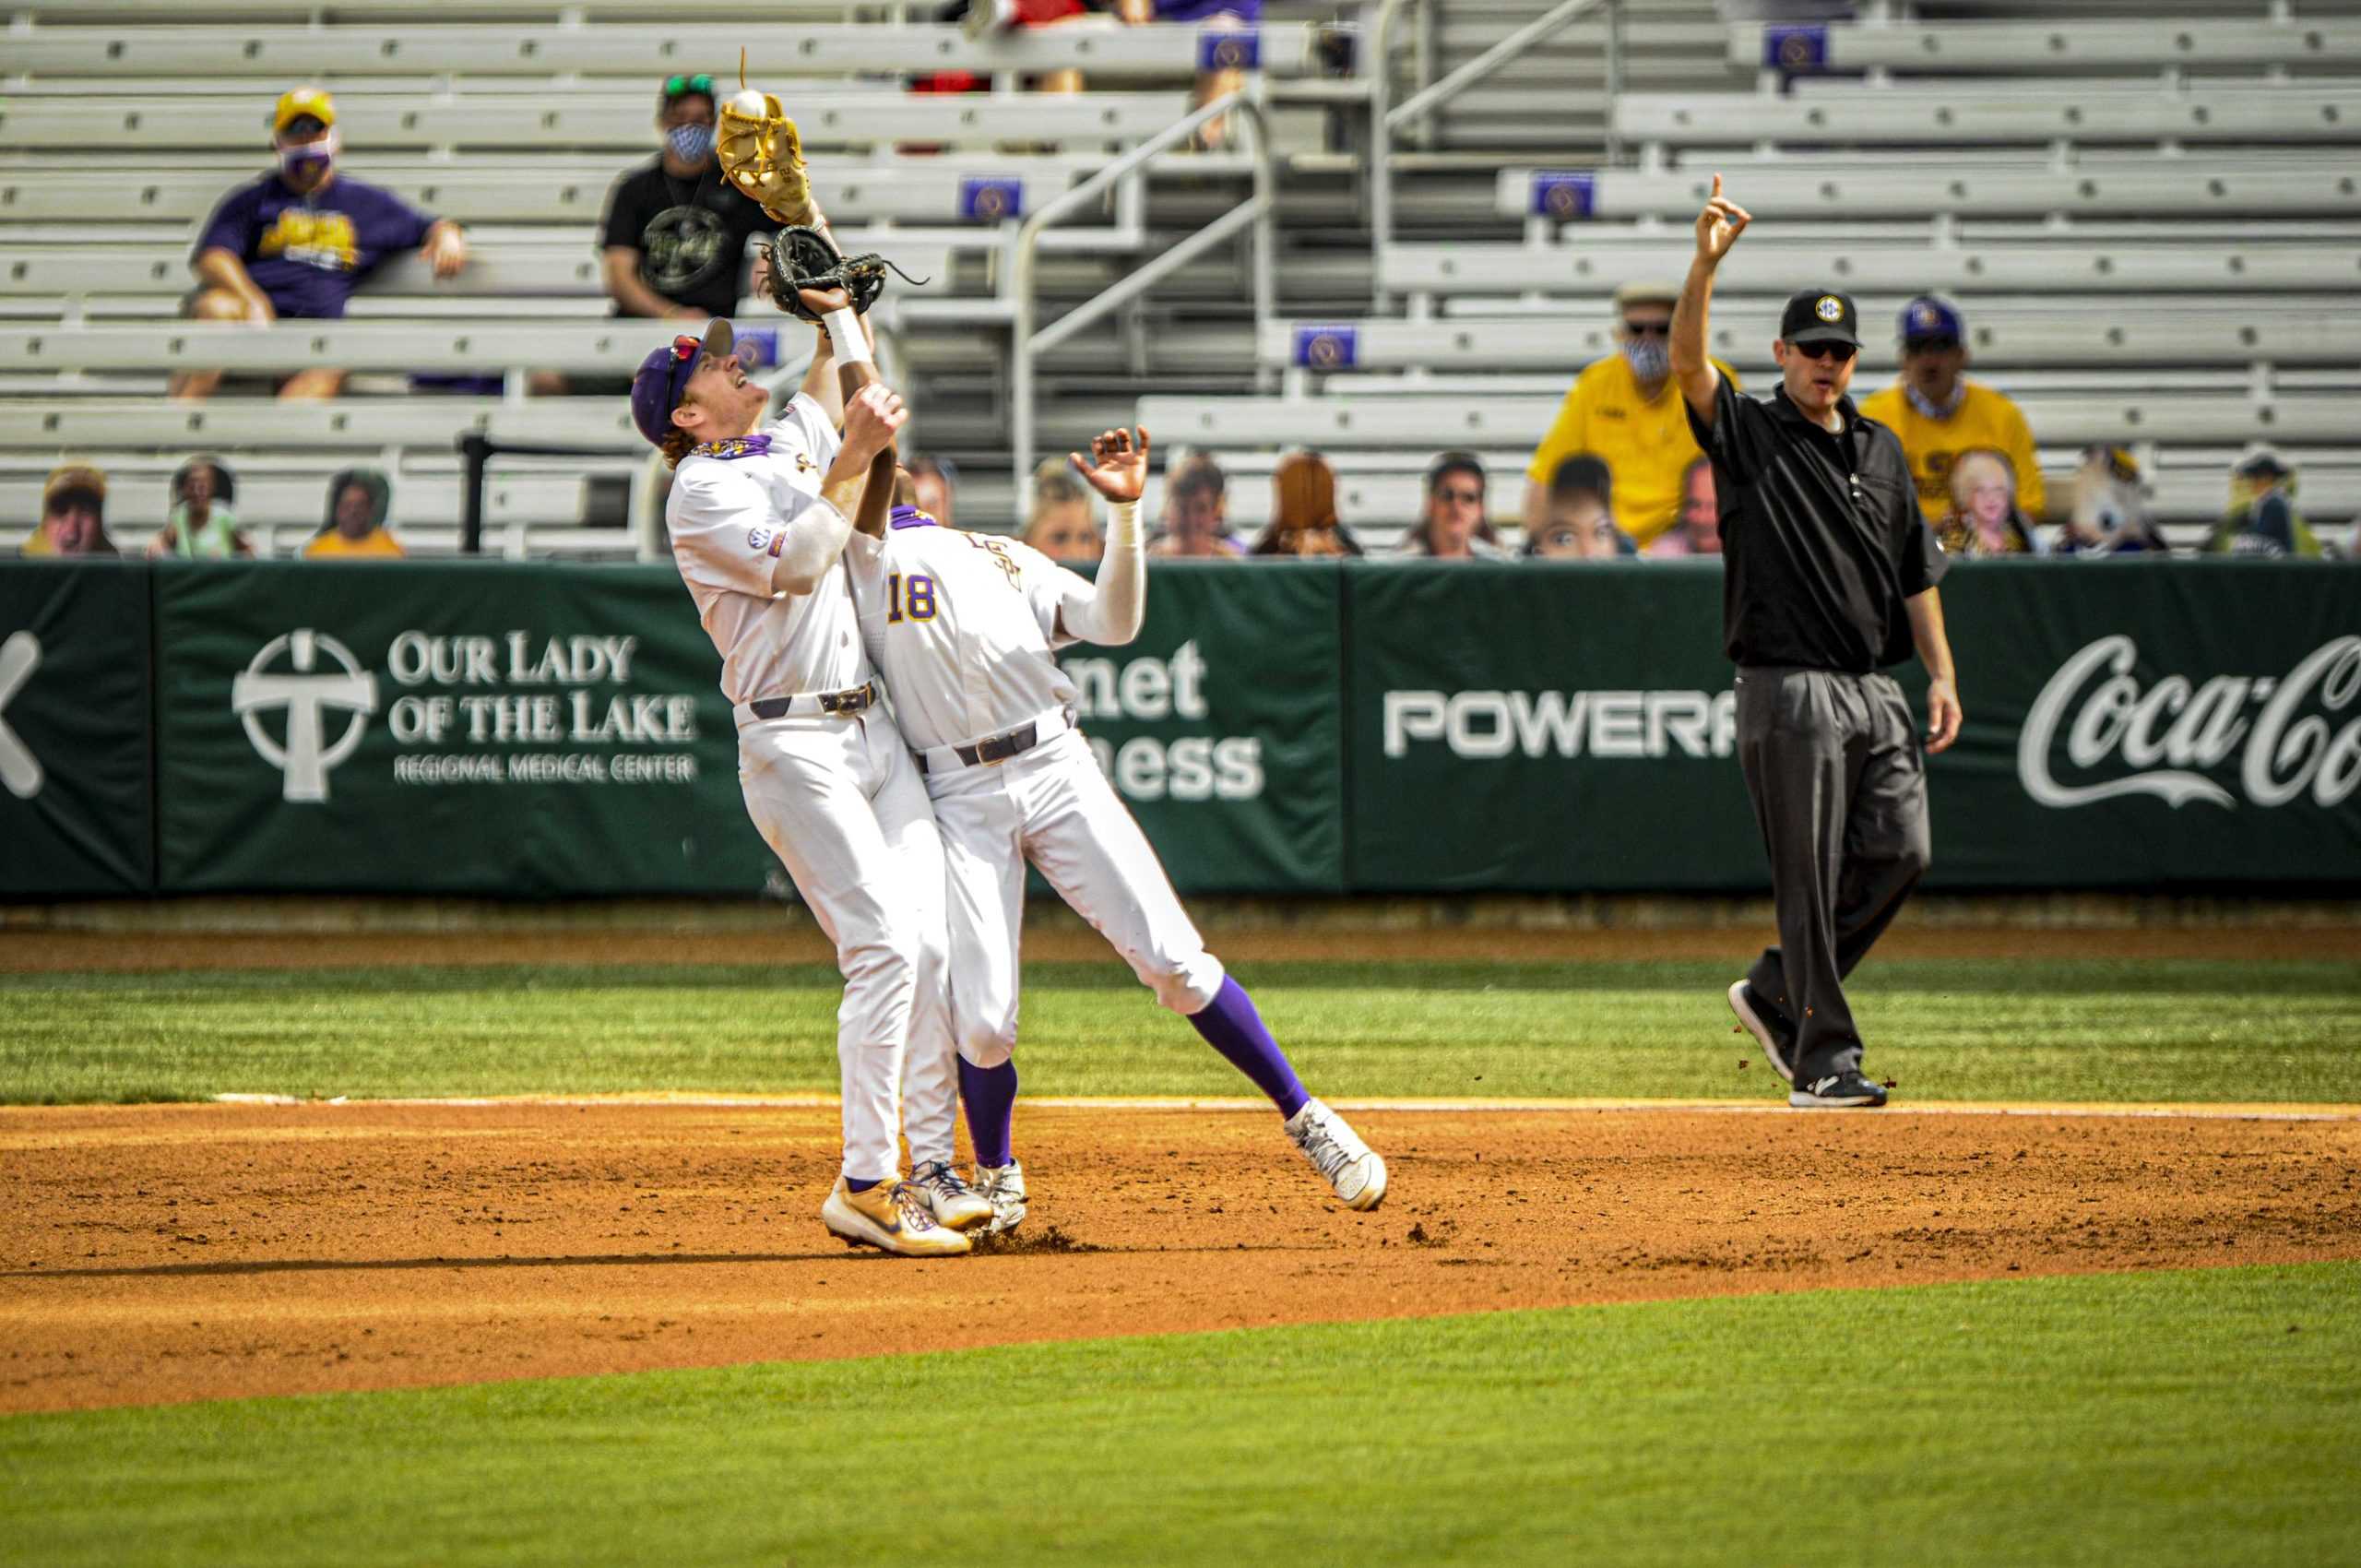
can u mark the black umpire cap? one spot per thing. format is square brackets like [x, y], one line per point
[1819, 316]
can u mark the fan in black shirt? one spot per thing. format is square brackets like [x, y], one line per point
[674, 239]
[1830, 574]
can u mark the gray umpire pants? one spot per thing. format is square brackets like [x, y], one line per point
[1839, 785]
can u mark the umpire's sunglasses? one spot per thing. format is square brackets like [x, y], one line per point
[681, 87]
[1840, 352]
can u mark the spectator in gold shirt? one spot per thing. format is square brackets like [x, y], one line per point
[358, 502]
[1938, 414]
[1627, 411]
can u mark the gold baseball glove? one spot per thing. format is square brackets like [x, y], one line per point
[762, 157]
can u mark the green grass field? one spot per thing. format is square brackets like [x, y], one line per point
[2199, 1418]
[2040, 1031]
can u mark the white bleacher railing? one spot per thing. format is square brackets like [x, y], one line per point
[1911, 265]
[2191, 189]
[2021, 48]
[1253, 217]
[1386, 118]
[1966, 115]
[354, 51]
[64, 119]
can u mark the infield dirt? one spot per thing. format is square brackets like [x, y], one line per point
[150, 1254]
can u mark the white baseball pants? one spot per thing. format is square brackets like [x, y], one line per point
[840, 802]
[1054, 807]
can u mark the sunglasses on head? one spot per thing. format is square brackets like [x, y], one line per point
[1840, 352]
[1648, 328]
[681, 87]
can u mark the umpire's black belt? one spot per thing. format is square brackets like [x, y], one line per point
[860, 699]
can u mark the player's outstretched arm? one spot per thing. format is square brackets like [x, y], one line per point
[1117, 469]
[844, 364]
[817, 536]
[1719, 228]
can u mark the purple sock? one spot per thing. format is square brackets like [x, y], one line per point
[1231, 1025]
[862, 1185]
[989, 1095]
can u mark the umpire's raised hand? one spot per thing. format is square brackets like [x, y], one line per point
[1719, 225]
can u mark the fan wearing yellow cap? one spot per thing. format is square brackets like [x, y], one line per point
[295, 242]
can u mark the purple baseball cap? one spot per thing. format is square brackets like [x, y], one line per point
[1928, 319]
[664, 375]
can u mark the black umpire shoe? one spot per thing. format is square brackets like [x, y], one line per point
[1768, 1026]
[1838, 1091]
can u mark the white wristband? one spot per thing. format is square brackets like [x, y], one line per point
[852, 343]
[1122, 521]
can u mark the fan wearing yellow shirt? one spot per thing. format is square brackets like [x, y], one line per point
[1627, 410]
[1938, 414]
[358, 502]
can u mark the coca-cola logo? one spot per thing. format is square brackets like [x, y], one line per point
[2276, 737]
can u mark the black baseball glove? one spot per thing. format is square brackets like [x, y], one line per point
[802, 259]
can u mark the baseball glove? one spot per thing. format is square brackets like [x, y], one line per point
[803, 258]
[761, 155]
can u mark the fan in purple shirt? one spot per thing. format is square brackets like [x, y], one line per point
[295, 242]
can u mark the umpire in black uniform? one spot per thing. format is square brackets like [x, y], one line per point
[1830, 574]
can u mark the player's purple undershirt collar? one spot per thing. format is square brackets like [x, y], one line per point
[910, 518]
[757, 445]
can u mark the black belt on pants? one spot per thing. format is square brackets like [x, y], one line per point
[851, 702]
[997, 748]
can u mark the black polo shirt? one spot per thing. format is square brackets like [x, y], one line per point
[1821, 535]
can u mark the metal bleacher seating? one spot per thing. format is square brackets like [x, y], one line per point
[2203, 111]
[1850, 190]
[125, 121]
[2147, 210]
[1892, 260]
[2147, 37]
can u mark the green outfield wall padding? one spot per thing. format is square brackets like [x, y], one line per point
[538, 730]
[76, 736]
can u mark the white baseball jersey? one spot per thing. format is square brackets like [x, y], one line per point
[963, 626]
[837, 798]
[727, 515]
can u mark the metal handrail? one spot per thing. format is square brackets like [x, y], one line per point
[1385, 118]
[1028, 342]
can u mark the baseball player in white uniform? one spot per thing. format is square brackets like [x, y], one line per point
[759, 516]
[965, 627]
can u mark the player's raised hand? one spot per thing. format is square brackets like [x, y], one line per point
[821, 300]
[1118, 465]
[1720, 224]
[872, 415]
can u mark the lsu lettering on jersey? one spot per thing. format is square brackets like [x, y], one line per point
[964, 627]
[731, 505]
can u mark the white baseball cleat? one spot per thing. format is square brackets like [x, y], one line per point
[892, 1215]
[1353, 1171]
[1002, 1187]
[949, 1198]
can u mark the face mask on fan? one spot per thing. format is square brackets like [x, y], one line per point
[1651, 357]
[309, 155]
[690, 144]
